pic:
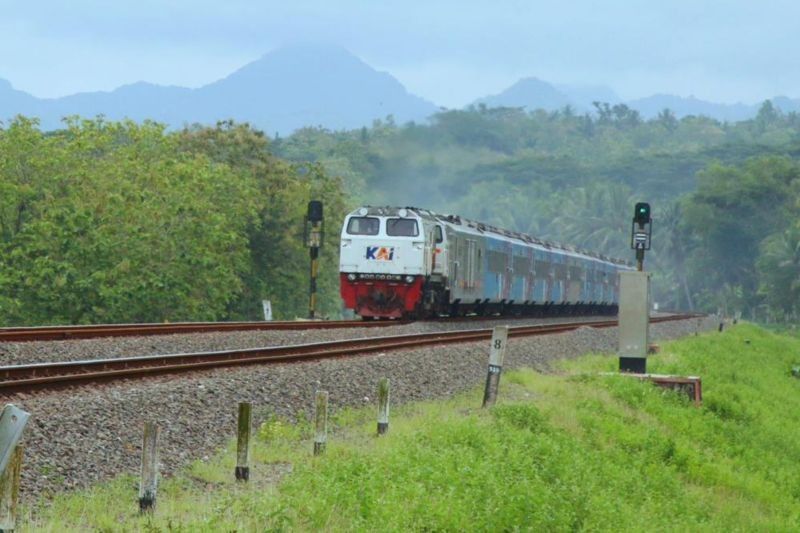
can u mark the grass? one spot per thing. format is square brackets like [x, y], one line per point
[576, 450]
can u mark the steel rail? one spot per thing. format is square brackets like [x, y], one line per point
[25, 378]
[51, 333]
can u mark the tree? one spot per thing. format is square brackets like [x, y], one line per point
[779, 270]
[731, 213]
[123, 222]
[595, 217]
[674, 245]
[278, 257]
[119, 226]
[666, 118]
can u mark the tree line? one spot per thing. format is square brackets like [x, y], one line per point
[106, 221]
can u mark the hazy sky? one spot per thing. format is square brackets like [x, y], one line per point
[450, 52]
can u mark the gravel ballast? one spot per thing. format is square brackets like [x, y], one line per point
[20, 353]
[77, 438]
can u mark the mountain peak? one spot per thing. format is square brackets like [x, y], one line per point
[530, 93]
[312, 84]
[295, 59]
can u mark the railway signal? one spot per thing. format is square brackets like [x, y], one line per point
[634, 298]
[314, 232]
[641, 230]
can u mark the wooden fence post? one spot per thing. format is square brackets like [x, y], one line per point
[320, 422]
[9, 490]
[12, 423]
[149, 481]
[496, 354]
[383, 406]
[243, 442]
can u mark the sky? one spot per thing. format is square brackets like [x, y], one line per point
[449, 52]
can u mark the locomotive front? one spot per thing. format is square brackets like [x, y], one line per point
[382, 262]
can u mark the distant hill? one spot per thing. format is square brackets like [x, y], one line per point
[17, 102]
[533, 93]
[292, 87]
[323, 85]
[530, 93]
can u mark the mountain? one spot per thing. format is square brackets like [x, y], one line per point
[320, 85]
[530, 93]
[533, 93]
[289, 88]
[18, 102]
[313, 85]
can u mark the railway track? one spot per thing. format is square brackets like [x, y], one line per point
[51, 333]
[46, 376]
[95, 331]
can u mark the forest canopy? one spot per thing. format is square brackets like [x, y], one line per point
[107, 221]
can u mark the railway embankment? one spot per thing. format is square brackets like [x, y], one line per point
[80, 437]
[567, 449]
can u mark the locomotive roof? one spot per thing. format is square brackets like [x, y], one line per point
[482, 228]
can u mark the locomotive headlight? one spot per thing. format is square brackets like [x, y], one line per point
[409, 279]
[351, 277]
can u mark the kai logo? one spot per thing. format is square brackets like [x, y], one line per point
[380, 253]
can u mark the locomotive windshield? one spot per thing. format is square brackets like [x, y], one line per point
[401, 227]
[363, 226]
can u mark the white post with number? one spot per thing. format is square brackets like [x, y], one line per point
[320, 422]
[496, 355]
[267, 304]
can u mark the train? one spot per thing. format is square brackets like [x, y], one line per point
[409, 262]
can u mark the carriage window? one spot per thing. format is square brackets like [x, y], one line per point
[439, 237]
[522, 265]
[497, 261]
[401, 227]
[363, 226]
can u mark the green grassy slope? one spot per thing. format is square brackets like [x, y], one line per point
[575, 450]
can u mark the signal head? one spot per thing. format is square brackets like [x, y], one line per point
[641, 213]
[315, 211]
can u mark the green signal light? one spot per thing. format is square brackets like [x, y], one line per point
[641, 213]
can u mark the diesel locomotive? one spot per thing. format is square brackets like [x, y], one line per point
[407, 262]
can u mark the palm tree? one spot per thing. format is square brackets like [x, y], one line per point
[779, 269]
[596, 217]
[674, 246]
